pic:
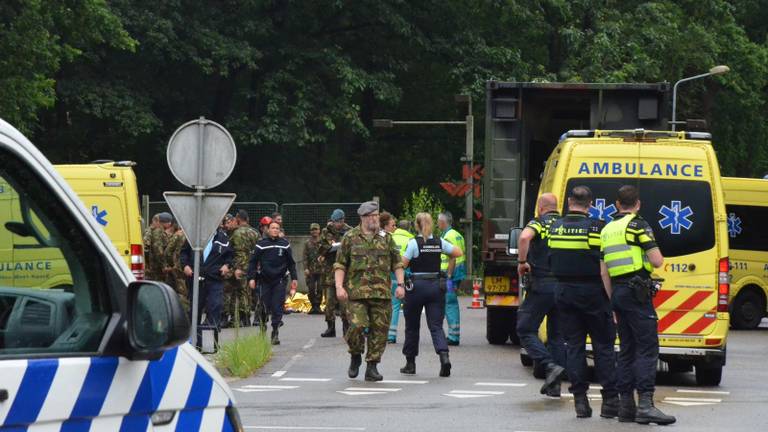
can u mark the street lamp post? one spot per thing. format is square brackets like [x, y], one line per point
[469, 124]
[716, 70]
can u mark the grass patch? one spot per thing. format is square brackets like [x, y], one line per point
[245, 355]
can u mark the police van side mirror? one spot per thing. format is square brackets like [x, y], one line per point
[514, 236]
[156, 320]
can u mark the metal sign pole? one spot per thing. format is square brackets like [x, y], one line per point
[198, 214]
[195, 292]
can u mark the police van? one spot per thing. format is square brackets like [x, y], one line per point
[108, 353]
[746, 204]
[678, 177]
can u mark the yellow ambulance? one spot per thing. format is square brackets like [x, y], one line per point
[746, 204]
[109, 192]
[679, 180]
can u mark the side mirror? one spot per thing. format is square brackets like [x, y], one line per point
[156, 320]
[514, 235]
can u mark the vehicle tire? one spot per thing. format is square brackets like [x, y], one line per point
[526, 360]
[709, 376]
[747, 310]
[539, 370]
[497, 325]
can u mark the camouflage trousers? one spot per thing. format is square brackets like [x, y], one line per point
[371, 314]
[237, 298]
[333, 306]
[314, 289]
[178, 282]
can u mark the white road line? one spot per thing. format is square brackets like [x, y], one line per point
[381, 389]
[484, 392]
[310, 428]
[306, 379]
[360, 393]
[293, 360]
[466, 396]
[686, 404]
[681, 399]
[309, 344]
[500, 384]
[279, 373]
[401, 382]
[279, 387]
[704, 391]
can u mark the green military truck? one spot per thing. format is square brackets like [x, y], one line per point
[524, 121]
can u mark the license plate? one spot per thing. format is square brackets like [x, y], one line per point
[496, 284]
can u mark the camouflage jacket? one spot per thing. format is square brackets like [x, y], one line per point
[368, 264]
[155, 242]
[328, 237]
[311, 252]
[243, 240]
[173, 250]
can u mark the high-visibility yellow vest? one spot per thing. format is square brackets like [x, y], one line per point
[401, 238]
[620, 257]
[455, 238]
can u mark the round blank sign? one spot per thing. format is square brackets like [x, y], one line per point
[201, 154]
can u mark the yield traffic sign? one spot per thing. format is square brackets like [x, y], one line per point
[211, 207]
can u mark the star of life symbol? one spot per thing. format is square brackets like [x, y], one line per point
[99, 215]
[734, 225]
[600, 211]
[675, 217]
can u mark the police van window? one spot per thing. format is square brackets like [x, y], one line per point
[747, 229]
[679, 211]
[49, 301]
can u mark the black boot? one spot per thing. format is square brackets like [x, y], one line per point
[275, 339]
[445, 364]
[551, 386]
[410, 366]
[330, 331]
[354, 365]
[581, 402]
[648, 413]
[344, 327]
[627, 408]
[610, 407]
[371, 373]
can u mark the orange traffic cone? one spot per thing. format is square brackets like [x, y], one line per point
[476, 302]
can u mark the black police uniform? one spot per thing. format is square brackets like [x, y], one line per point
[428, 293]
[270, 260]
[585, 309]
[540, 299]
[211, 283]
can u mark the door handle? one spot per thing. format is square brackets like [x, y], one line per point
[3, 395]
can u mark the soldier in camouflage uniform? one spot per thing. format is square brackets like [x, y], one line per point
[154, 224]
[313, 269]
[230, 284]
[243, 241]
[155, 243]
[174, 274]
[330, 240]
[367, 256]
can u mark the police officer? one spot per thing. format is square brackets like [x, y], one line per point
[367, 292]
[582, 299]
[422, 257]
[401, 236]
[630, 253]
[456, 272]
[533, 259]
[215, 265]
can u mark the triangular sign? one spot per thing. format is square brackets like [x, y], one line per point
[213, 207]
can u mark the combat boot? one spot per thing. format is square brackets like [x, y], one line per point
[610, 407]
[275, 339]
[581, 402]
[410, 366]
[371, 373]
[648, 413]
[330, 331]
[445, 364]
[627, 408]
[552, 381]
[354, 365]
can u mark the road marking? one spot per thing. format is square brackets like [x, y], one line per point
[384, 390]
[681, 399]
[279, 373]
[310, 428]
[483, 392]
[687, 403]
[293, 360]
[401, 382]
[309, 344]
[466, 396]
[360, 393]
[500, 384]
[306, 379]
[704, 391]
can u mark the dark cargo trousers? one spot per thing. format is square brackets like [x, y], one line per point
[427, 295]
[585, 310]
[639, 340]
[273, 298]
[540, 302]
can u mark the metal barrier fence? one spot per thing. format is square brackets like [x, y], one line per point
[256, 210]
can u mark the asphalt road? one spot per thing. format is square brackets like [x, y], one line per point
[305, 387]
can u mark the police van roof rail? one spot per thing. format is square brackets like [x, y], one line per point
[125, 163]
[635, 133]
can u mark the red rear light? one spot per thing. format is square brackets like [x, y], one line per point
[514, 286]
[137, 260]
[723, 286]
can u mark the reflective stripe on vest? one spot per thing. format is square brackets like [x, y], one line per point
[620, 257]
[401, 238]
[453, 237]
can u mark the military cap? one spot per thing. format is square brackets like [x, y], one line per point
[242, 215]
[337, 215]
[368, 207]
[314, 226]
[165, 217]
[227, 217]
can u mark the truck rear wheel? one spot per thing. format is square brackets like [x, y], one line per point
[709, 375]
[497, 325]
[747, 310]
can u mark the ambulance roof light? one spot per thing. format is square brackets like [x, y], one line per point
[706, 136]
[577, 133]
